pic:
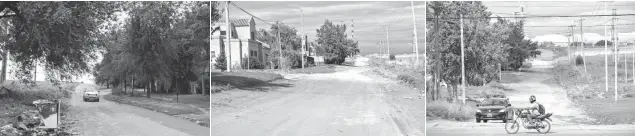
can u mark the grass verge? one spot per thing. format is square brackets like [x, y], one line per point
[450, 111]
[190, 107]
[587, 89]
[227, 80]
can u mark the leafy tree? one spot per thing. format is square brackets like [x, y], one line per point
[483, 45]
[601, 43]
[60, 35]
[520, 49]
[335, 43]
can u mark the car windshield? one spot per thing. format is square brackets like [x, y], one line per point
[91, 91]
[493, 102]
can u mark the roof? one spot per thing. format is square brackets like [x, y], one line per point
[238, 22]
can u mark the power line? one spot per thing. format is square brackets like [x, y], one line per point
[585, 26]
[266, 21]
[538, 16]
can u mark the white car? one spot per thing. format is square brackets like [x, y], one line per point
[91, 95]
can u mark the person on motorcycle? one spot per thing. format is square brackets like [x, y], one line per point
[533, 108]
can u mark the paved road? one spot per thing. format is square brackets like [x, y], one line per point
[106, 118]
[567, 119]
[344, 103]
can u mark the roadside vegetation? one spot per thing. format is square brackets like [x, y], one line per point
[588, 89]
[495, 45]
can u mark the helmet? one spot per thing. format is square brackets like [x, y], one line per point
[532, 99]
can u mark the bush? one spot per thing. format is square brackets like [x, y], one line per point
[450, 111]
[252, 63]
[220, 62]
[391, 57]
[408, 79]
[579, 60]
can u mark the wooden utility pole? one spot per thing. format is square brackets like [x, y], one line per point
[303, 38]
[228, 34]
[463, 83]
[569, 34]
[414, 20]
[633, 72]
[582, 45]
[615, 52]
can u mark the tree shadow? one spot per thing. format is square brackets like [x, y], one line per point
[247, 83]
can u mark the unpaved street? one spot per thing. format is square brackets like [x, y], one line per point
[567, 118]
[106, 118]
[345, 103]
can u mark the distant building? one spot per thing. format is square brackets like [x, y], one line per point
[243, 42]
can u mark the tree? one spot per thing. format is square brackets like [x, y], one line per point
[601, 43]
[335, 43]
[60, 35]
[483, 44]
[220, 61]
[520, 49]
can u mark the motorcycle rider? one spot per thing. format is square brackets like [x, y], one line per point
[533, 108]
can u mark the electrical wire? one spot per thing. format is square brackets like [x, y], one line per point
[256, 17]
[537, 16]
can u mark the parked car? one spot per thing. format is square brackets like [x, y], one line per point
[91, 95]
[494, 109]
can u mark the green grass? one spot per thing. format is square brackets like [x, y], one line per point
[16, 97]
[187, 106]
[450, 111]
[606, 111]
[588, 89]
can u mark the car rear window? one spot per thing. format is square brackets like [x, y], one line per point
[492, 102]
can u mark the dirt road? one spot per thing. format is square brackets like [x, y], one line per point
[345, 103]
[567, 119]
[106, 118]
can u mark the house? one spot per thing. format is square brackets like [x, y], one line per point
[243, 42]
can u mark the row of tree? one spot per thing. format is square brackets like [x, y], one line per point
[332, 43]
[162, 46]
[489, 46]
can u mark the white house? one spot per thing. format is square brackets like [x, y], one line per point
[243, 42]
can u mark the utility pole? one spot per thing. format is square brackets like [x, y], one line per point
[387, 41]
[462, 61]
[633, 65]
[606, 52]
[582, 43]
[569, 34]
[415, 31]
[303, 38]
[352, 33]
[615, 52]
[228, 34]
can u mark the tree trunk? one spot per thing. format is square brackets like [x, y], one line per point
[5, 58]
[124, 84]
[150, 88]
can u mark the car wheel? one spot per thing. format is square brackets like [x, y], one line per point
[478, 121]
[485, 121]
[97, 100]
[504, 120]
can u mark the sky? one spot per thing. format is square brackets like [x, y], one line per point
[535, 31]
[368, 18]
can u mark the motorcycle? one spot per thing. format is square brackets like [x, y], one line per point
[541, 123]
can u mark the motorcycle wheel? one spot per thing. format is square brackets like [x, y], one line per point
[545, 128]
[512, 126]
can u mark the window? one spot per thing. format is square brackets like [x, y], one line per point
[222, 32]
[255, 53]
[213, 54]
[252, 36]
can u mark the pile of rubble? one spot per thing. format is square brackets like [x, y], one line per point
[28, 124]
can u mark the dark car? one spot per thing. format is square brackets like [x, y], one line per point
[494, 109]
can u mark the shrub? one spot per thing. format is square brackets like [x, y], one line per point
[408, 79]
[450, 111]
[220, 62]
[391, 57]
[579, 60]
[252, 63]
